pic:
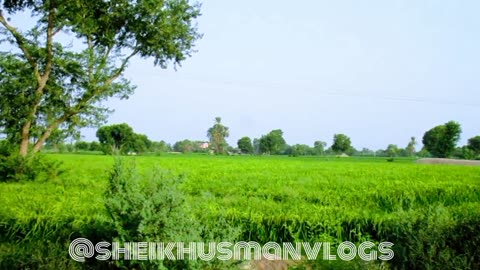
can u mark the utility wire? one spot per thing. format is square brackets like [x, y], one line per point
[345, 93]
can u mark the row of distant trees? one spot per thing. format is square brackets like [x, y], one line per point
[440, 141]
[273, 143]
[113, 139]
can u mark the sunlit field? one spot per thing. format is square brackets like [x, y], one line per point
[282, 199]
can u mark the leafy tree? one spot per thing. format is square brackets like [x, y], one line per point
[256, 146]
[403, 152]
[116, 138]
[392, 150]
[82, 146]
[366, 152]
[440, 141]
[70, 147]
[463, 152]
[245, 145]
[424, 153]
[319, 147]
[232, 150]
[411, 146]
[185, 146]
[47, 85]
[381, 153]
[140, 144]
[474, 144]
[121, 138]
[341, 143]
[160, 147]
[217, 135]
[95, 146]
[272, 143]
[56, 140]
[299, 150]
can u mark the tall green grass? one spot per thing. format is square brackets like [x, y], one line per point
[430, 212]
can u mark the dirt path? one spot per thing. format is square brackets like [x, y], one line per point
[448, 161]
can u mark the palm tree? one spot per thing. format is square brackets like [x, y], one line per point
[411, 146]
[217, 135]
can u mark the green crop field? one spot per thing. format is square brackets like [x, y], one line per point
[430, 212]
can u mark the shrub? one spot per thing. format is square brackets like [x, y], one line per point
[148, 208]
[151, 208]
[15, 168]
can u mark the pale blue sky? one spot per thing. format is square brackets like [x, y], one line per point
[378, 71]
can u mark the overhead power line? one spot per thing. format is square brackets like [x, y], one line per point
[319, 91]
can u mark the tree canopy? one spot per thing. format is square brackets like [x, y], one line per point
[49, 85]
[319, 147]
[217, 134]
[474, 144]
[245, 145]
[299, 150]
[272, 143]
[441, 140]
[392, 150]
[411, 146]
[122, 139]
[341, 143]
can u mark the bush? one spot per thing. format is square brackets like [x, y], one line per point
[151, 208]
[15, 168]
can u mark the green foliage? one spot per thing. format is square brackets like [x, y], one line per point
[272, 143]
[411, 146]
[341, 144]
[430, 212]
[160, 147]
[319, 147]
[82, 146]
[120, 138]
[217, 134]
[464, 152]
[185, 146]
[245, 145]
[256, 146]
[299, 150]
[141, 144]
[366, 152]
[392, 150]
[48, 86]
[424, 153]
[440, 141]
[149, 209]
[474, 144]
[15, 89]
[17, 168]
[115, 138]
[95, 146]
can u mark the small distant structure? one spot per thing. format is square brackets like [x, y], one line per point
[204, 145]
[132, 153]
[343, 155]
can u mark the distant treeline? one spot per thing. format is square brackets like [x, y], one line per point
[439, 141]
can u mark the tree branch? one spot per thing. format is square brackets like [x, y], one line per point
[120, 69]
[49, 47]
[81, 103]
[43, 138]
[90, 57]
[21, 43]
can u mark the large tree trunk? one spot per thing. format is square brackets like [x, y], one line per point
[25, 139]
[41, 78]
[43, 138]
[39, 144]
